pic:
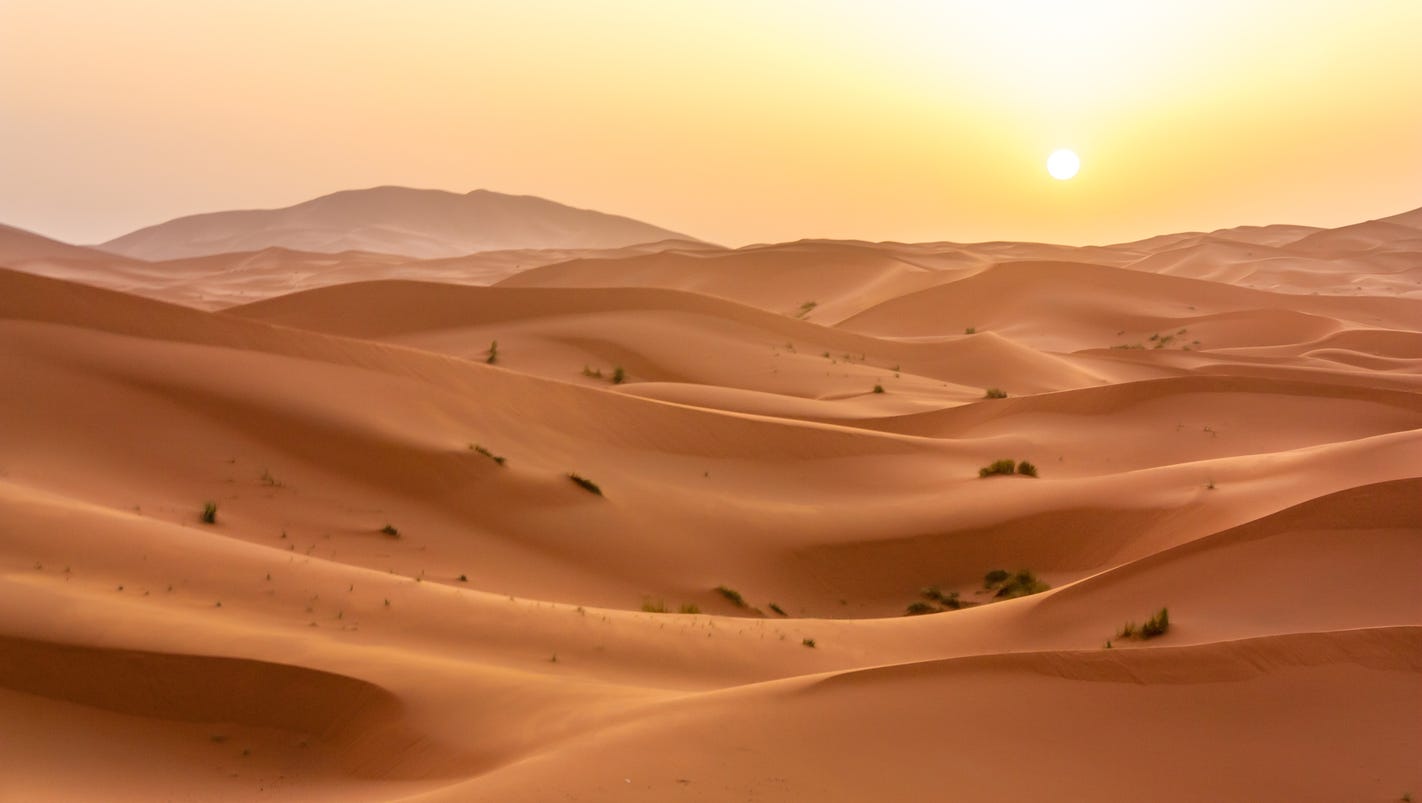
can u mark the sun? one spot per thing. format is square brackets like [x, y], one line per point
[1063, 164]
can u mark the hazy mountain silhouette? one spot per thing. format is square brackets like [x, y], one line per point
[392, 220]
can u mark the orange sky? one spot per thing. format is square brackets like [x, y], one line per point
[736, 121]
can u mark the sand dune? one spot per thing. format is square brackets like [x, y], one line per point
[404, 596]
[814, 281]
[224, 280]
[770, 744]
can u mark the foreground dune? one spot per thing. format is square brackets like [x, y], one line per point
[381, 611]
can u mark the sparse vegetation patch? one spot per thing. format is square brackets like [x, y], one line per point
[485, 452]
[995, 393]
[389, 529]
[1156, 625]
[1021, 584]
[586, 484]
[209, 513]
[732, 596]
[1003, 466]
[934, 600]
[1006, 467]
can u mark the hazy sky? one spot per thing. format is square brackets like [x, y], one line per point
[735, 120]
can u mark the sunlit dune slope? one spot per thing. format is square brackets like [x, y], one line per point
[645, 525]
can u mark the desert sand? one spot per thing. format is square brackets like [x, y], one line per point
[1224, 424]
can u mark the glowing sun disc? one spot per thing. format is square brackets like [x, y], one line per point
[1063, 164]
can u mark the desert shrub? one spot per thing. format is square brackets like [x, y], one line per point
[778, 609]
[1128, 630]
[995, 578]
[209, 512]
[995, 393]
[593, 373]
[463, 578]
[878, 388]
[1026, 469]
[1003, 466]
[688, 607]
[485, 452]
[733, 596]
[1156, 625]
[971, 330]
[934, 601]
[1021, 584]
[806, 307]
[650, 605]
[493, 353]
[934, 594]
[808, 642]
[389, 529]
[618, 375]
[586, 484]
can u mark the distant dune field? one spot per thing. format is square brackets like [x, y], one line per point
[625, 516]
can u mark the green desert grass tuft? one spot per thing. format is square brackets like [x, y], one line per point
[997, 467]
[1021, 584]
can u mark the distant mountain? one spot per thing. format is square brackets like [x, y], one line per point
[424, 224]
[18, 245]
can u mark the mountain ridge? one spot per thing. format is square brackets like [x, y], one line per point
[418, 223]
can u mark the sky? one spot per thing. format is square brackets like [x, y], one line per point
[736, 121]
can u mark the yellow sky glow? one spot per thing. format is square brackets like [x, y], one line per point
[737, 121]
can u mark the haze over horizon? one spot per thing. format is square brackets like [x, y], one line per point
[735, 123]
